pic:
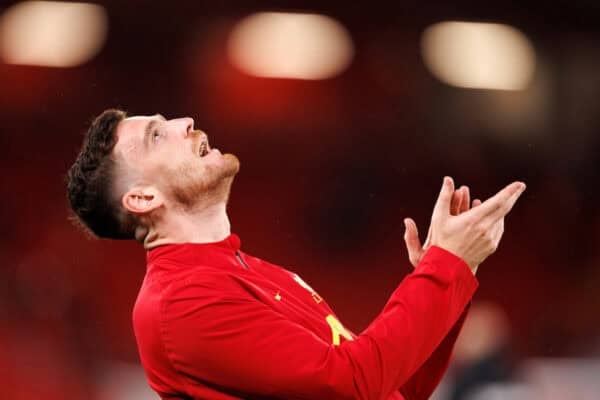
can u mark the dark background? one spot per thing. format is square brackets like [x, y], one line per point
[329, 170]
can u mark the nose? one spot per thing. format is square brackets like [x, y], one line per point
[185, 125]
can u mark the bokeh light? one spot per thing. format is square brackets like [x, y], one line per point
[478, 55]
[53, 34]
[290, 45]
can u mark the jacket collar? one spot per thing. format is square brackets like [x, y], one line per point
[194, 253]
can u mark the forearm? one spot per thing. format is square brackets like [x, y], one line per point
[421, 385]
[418, 316]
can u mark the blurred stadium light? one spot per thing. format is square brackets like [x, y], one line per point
[53, 34]
[290, 45]
[478, 55]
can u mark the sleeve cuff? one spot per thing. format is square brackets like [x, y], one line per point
[447, 266]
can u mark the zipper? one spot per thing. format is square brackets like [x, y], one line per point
[240, 259]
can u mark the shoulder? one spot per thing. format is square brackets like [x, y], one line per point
[202, 285]
[167, 283]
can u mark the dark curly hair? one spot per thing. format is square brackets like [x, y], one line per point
[90, 181]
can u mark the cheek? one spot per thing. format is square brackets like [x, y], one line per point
[182, 168]
[165, 157]
[155, 168]
[152, 166]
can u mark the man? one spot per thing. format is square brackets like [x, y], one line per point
[213, 322]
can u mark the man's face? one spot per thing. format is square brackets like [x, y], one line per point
[175, 158]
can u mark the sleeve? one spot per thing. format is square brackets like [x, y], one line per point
[421, 385]
[213, 332]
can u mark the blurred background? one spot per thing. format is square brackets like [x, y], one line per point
[345, 116]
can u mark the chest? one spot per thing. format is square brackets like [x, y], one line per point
[289, 295]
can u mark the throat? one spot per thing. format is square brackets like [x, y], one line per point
[209, 225]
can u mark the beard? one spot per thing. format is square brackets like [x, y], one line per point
[194, 187]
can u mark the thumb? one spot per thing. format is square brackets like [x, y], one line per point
[442, 205]
[413, 244]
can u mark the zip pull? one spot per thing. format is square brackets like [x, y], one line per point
[240, 259]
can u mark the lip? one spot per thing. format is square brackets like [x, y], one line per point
[203, 146]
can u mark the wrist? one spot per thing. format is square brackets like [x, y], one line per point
[446, 265]
[471, 264]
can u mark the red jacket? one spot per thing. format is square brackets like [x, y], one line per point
[212, 322]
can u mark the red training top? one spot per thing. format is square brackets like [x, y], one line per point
[212, 322]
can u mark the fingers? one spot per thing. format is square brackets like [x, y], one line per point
[456, 202]
[466, 200]
[442, 205]
[500, 204]
[411, 238]
[461, 199]
[476, 203]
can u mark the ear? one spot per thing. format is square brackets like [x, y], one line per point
[142, 199]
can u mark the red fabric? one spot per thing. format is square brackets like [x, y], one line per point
[212, 322]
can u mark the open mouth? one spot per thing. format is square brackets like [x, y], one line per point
[204, 146]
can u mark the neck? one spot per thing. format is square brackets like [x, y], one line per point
[210, 224]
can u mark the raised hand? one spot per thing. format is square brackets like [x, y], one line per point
[470, 233]
[461, 202]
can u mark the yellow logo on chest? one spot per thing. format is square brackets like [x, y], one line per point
[305, 285]
[337, 330]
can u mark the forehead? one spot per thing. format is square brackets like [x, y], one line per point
[131, 126]
[130, 134]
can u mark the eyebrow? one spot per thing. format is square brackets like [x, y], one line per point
[150, 126]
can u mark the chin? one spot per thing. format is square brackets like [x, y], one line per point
[193, 187]
[232, 164]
